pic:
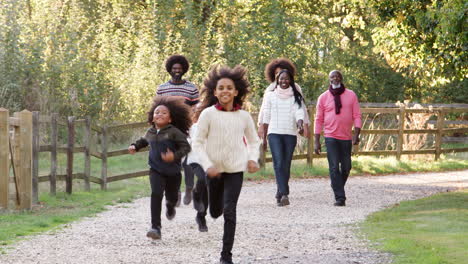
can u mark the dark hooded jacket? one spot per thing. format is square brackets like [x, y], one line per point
[169, 137]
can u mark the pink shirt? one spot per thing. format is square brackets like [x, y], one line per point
[337, 126]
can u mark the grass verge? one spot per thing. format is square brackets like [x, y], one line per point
[432, 230]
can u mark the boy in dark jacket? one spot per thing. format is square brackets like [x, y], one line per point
[167, 139]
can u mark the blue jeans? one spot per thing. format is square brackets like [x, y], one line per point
[282, 149]
[339, 164]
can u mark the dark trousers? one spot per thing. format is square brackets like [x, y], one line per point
[282, 149]
[188, 175]
[200, 191]
[339, 164]
[223, 195]
[162, 184]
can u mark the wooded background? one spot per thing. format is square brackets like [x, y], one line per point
[105, 58]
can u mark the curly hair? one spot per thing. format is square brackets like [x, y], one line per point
[177, 59]
[178, 110]
[236, 74]
[297, 95]
[282, 63]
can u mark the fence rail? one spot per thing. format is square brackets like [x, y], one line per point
[104, 153]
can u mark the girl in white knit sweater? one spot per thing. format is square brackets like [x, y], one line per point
[283, 118]
[226, 144]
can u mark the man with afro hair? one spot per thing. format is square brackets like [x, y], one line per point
[177, 66]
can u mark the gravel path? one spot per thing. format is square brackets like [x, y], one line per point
[310, 230]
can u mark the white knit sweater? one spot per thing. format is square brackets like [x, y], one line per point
[281, 115]
[270, 89]
[219, 141]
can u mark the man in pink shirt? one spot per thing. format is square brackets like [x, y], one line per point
[337, 111]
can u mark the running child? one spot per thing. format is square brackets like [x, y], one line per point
[167, 140]
[219, 142]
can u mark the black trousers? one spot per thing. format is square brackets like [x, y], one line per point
[162, 184]
[339, 165]
[223, 193]
[201, 190]
[188, 175]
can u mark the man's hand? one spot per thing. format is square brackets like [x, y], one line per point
[252, 166]
[167, 156]
[317, 147]
[131, 149]
[357, 131]
[212, 172]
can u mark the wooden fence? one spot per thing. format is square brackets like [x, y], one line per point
[16, 150]
[104, 154]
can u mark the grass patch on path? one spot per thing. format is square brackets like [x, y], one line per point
[432, 230]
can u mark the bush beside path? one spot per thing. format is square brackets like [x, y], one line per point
[310, 230]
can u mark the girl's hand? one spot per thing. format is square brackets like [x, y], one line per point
[300, 127]
[132, 149]
[168, 156]
[252, 166]
[212, 172]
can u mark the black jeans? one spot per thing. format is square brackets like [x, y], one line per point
[200, 191]
[223, 194]
[162, 184]
[282, 150]
[188, 175]
[339, 164]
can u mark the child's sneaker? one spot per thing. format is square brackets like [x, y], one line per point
[154, 233]
[170, 212]
[201, 221]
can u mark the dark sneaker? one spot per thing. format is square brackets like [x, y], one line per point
[179, 197]
[154, 233]
[197, 202]
[201, 221]
[224, 261]
[170, 212]
[188, 196]
[278, 201]
[284, 200]
[340, 203]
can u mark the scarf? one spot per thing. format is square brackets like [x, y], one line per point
[284, 93]
[221, 108]
[336, 95]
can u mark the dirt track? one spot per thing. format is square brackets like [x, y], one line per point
[310, 230]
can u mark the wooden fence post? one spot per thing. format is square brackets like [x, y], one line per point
[70, 145]
[310, 142]
[104, 158]
[25, 158]
[87, 156]
[4, 157]
[401, 127]
[53, 154]
[440, 127]
[35, 157]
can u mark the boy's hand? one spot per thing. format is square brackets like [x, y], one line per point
[132, 149]
[168, 156]
[252, 166]
[212, 172]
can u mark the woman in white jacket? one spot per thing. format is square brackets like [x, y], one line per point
[283, 118]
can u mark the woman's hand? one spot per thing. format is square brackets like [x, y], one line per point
[132, 149]
[300, 127]
[167, 156]
[213, 172]
[252, 166]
